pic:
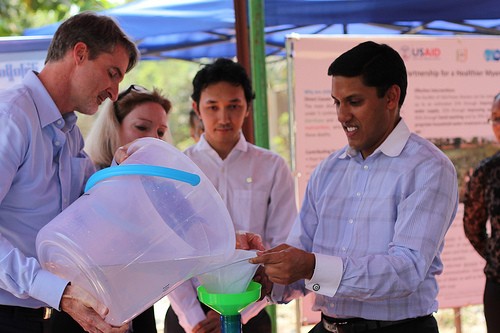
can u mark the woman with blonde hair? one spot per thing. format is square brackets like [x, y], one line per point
[136, 113]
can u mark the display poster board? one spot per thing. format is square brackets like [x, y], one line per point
[15, 65]
[451, 84]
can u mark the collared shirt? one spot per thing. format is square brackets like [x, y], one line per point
[377, 227]
[258, 189]
[482, 204]
[43, 170]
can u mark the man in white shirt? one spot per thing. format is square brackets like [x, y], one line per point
[255, 184]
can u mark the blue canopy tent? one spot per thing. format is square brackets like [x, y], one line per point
[195, 29]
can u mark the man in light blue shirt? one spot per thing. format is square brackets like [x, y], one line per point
[44, 168]
[370, 231]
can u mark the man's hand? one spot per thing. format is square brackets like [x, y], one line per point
[249, 241]
[286, 264]
[210, 325]
[267, 286]
[87, 311]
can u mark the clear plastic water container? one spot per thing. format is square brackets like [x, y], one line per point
[140, 229]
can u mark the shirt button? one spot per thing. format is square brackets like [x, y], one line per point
[365, 167]
[316, 287]
[344, 249]
[351, 221]
[59, 122]
[358, 194]
[57, 143]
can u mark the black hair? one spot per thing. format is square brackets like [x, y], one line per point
[379, 65]
[222, 70]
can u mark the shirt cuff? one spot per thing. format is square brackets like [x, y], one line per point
[252, 310]
[48, 288]
[191, 319]
[327, 275]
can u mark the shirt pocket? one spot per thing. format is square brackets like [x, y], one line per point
[249, 210]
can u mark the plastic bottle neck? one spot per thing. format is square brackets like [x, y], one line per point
[230, 324]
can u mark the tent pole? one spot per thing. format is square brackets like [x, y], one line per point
[258, 65]
[259, 82]
[243, 56]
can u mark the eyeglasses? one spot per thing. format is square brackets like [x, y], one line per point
[494, 121]
[134, 87]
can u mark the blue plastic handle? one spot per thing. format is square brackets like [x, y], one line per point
[142, 169]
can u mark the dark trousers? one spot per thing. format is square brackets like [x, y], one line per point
[261, 323]
[20, 320]
[492, 306]
[143, 323]
[425, 325]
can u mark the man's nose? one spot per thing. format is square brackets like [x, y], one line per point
[343, 113]
[113, 92]
[225, 116]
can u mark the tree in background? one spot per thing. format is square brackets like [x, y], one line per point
[173, 77]
[17, 15]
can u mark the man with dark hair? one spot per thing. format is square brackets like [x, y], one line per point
[255, 184]
[371, 228]
[44, 168]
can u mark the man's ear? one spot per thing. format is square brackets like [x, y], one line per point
[392, 95]
[249, 109]
[80, 52]
[194, 106]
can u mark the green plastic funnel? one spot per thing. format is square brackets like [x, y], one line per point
[230, 304]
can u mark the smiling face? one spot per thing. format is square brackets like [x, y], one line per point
[222, 109]
[147, 119]
[366, 118]
[94, 80]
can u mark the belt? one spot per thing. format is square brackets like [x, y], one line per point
[43, 313]
[355, 325]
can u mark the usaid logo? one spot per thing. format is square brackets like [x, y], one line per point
[416, 53]
[492, 55]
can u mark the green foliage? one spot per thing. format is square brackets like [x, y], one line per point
[276, 71]
[281, 142]
[17, 15]
[173, 77]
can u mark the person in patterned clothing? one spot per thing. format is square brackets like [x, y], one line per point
[482, 204]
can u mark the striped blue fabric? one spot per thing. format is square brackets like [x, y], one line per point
[385, 217]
